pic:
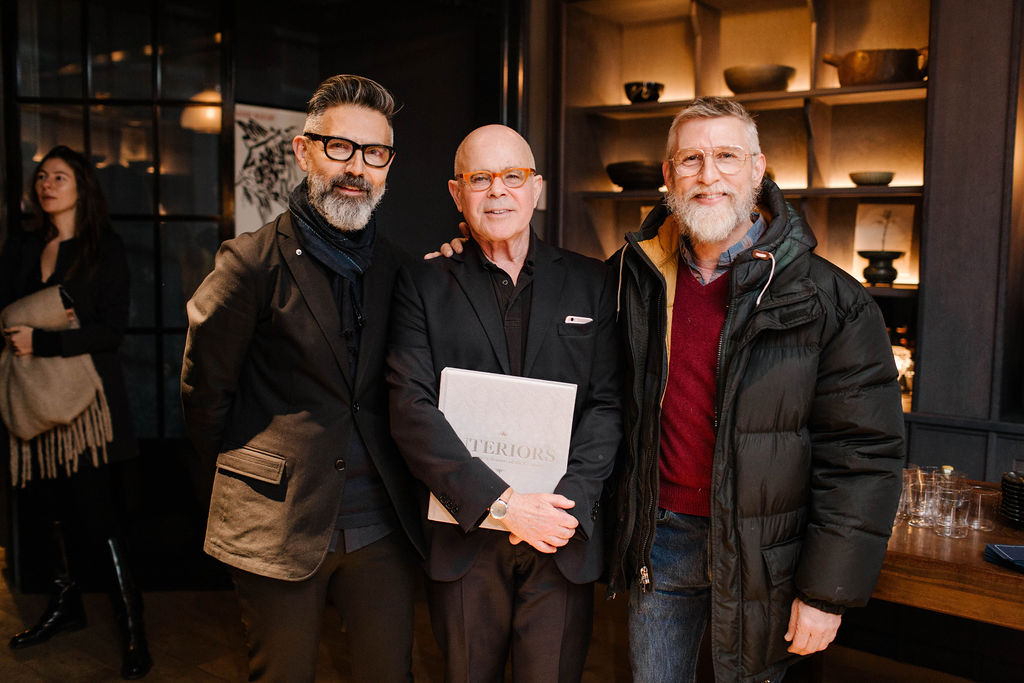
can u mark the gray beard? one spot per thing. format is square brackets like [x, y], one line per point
[711, 224]
[347, 214]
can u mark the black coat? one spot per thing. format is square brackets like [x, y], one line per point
[809, 447]
[271, 403]
[445, 314]
[101, 301]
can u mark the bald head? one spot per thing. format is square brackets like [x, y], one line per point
[493, 143]
[499, 215]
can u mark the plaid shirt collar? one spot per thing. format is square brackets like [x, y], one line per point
[728, 256]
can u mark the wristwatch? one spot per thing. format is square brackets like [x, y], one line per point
[499, 509]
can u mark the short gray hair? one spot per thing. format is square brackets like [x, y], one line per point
[349, 89]
[713, 108]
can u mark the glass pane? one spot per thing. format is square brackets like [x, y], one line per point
[190, 52]
[138, 357]
[174, 349]
[139, 239]
[49, 48]
[187, 257]
[189, 162]
[121, 48]
[43, 128]
[123, 136]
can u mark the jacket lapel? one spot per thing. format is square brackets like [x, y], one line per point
[479, 290]
[548, 276]
[316, 291]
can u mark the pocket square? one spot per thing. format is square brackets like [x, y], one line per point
[578, 320]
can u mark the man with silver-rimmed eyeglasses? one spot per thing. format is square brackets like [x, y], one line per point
[284, 397]
[764, 430]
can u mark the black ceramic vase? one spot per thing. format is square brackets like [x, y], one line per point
[880, 270]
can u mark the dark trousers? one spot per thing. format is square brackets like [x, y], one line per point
[513, 598]
[373, 589]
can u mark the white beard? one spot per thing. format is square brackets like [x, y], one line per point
[711, 224]
[344, 213]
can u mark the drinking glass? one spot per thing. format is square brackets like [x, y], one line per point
[921, 489]
[982, 508]
[951, 505]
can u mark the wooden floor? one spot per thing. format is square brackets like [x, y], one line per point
[197, 636]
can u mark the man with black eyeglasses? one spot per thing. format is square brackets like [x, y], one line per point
[509, 304]
[284, 398]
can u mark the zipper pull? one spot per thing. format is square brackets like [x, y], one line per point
[645, 579]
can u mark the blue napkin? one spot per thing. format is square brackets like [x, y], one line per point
[1010, 556]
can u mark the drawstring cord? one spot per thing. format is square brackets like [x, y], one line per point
[764, 255]
[618, 292]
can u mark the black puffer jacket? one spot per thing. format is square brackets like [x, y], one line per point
[809, 447]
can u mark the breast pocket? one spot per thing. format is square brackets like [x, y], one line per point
[576, 329]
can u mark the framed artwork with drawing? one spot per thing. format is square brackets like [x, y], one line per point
[265, 168]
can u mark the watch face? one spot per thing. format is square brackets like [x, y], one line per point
[499, 509]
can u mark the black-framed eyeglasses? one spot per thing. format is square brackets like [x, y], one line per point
[479, 181]
[728, 160]
[342, 149]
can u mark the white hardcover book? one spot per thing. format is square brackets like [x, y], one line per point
[520, 427]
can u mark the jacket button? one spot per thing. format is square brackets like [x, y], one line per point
[339, 464]
[355, 407]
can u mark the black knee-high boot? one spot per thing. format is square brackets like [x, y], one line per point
[136, 660]
[64, 612]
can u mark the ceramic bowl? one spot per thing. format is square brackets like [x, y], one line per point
[758, 78]
[643, 91]
[636, 175]
[871, 177]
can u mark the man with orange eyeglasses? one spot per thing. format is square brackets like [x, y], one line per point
[514, 305]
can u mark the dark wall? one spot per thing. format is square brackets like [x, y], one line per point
[443, 62]
[277, 63]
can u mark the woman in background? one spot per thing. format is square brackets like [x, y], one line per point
[70, 242]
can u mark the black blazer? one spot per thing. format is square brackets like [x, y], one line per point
[445, 314]
[270, 400]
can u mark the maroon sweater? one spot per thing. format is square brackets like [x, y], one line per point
[688, 407]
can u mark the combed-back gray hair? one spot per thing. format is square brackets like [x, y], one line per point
[713, 108]
[349, 89]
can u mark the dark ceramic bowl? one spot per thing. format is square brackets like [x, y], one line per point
[643, 91]
[758, 78]
[871, 177]
[636, 175]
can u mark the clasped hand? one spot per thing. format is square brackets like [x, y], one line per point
[540, 519]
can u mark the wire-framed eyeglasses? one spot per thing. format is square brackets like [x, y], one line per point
[342, 149]
[479, 181]
[728, 159]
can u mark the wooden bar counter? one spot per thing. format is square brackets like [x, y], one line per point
[925, 570]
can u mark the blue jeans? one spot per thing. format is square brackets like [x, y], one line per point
[667, 625]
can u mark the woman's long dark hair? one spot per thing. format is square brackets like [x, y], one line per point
[91, 217]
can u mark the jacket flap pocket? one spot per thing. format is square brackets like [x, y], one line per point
[252, 463]
[781, 560]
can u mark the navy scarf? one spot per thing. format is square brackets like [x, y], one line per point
[346, 254]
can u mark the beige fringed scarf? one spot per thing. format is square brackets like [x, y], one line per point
[50, 404]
